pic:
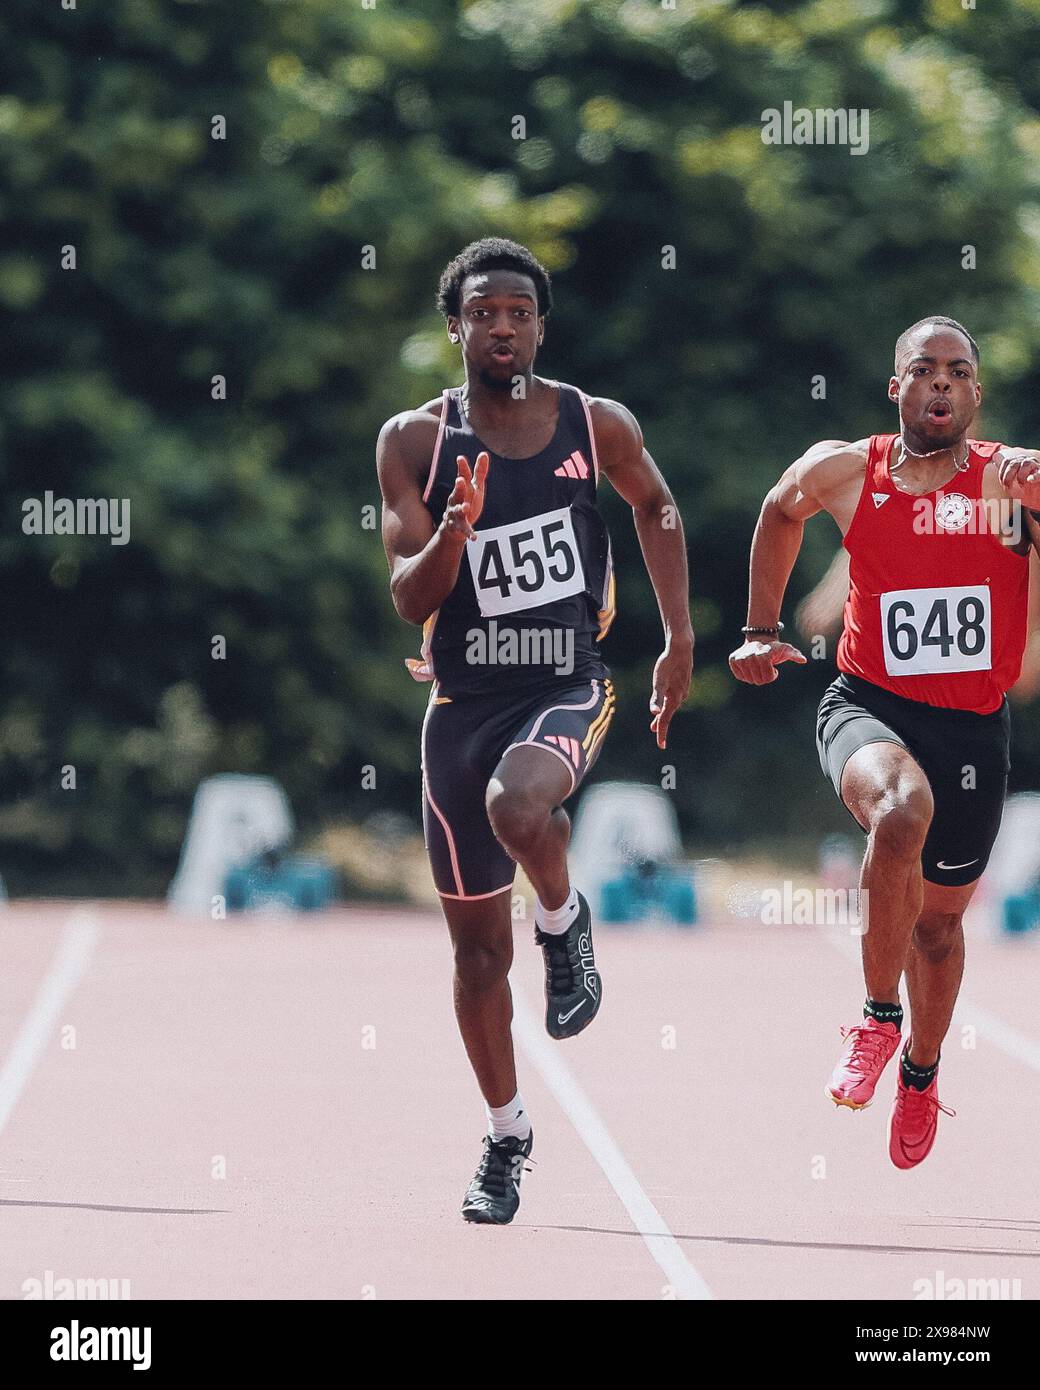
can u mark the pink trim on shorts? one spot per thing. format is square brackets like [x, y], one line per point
[533, 735]
[437, 810]
[473, 897]
[437, 446]
[592, 433]
[548, 748]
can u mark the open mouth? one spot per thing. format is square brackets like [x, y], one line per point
[503, 354]
[940, 412]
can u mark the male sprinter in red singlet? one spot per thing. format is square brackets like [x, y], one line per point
[496, 546]
[914, 732]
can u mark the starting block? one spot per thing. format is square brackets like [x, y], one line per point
[626, 852]
[234, 819]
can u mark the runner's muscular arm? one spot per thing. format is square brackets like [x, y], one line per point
[424, 560]
[636, 477]
[820, 611]
[1018, 471]
[638, 480]
[1027, 686]
[995, 489]
[804, 489]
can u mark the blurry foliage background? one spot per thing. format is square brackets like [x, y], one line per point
[391, 127]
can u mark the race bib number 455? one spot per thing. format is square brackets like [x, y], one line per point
[526, 563]
[927, 632]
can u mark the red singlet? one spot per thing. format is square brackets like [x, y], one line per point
[937, 603]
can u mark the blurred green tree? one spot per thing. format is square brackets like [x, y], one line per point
[265, 193]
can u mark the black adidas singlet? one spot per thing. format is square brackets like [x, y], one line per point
[535, 592]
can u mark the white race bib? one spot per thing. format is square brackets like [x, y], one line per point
[526, 563]
[927, 632]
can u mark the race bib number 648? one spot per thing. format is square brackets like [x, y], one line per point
[927, 632]
[526, 563]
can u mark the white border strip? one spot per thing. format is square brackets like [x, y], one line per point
[67, 968]
[681, 1275]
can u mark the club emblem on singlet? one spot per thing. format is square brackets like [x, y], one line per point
[953, 511]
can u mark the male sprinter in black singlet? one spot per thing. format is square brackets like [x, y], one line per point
[496, 546]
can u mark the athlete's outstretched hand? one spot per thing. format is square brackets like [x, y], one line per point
[466, 501]
[1019, 474]
[756, 662]
[672, 676]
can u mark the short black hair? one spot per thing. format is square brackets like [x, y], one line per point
[491, 253]
[943, 322]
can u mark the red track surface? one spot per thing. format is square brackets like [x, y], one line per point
[346, 1165]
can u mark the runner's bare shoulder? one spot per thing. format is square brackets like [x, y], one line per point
[408, 439]
[830, 467]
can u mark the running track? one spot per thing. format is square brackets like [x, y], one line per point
[346, 1164]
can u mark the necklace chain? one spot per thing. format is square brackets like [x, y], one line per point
[904, 450]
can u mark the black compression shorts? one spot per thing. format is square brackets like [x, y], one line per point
[965, 757]
[464, 739]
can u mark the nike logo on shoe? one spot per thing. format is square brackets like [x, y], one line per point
[561, 1019]
[941, 865]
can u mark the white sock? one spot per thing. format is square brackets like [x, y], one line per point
[556, 922]
[509, 1119]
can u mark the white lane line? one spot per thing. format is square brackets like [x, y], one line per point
[1018, 1045]
[685, 1281]
[66, 969]
[995, 1030]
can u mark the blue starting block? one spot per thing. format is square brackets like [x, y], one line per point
[294, 882]
[1021, 911]
[645, 887]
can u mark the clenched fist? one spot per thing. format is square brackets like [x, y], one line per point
[756, 661]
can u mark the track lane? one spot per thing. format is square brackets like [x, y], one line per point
[346, 1163]
[242, 1043]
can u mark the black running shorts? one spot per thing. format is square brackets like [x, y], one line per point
[965, 757]
[463, 740]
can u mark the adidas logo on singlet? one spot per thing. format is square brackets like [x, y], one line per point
[880, 497]
[573, 467]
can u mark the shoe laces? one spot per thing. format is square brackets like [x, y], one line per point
[559, 968]
[867, 1045]
[496, 1168]
[911, 1099]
